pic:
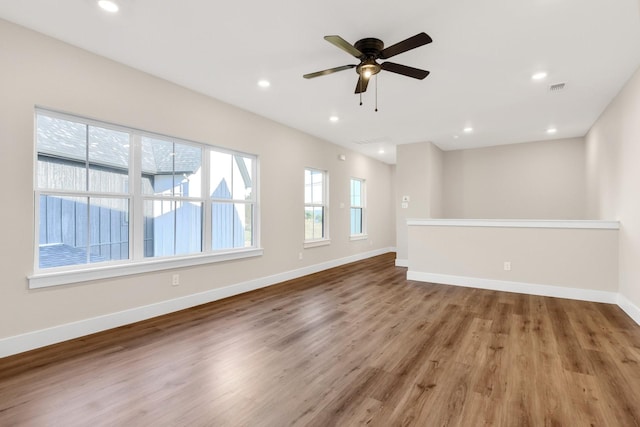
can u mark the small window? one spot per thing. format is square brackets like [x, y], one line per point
[315, 205]
[357, 207]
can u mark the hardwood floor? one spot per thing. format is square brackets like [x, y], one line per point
[354, 345]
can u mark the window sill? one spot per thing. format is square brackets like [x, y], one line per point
[44, 280]
[359, 237]
[315, 243]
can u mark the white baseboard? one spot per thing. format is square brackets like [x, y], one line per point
[628, 307]
[402, 262]
[40, 338]
[517, 287]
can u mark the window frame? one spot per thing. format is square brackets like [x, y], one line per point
[233, 200]
[363, 209]
[173, 198]
[137, 262]
[325, 239]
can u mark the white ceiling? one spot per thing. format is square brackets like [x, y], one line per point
[481, 61]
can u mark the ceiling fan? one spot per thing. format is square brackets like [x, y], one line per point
[368, 51]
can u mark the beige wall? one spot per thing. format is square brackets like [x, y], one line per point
[613, 179]
[569, 258]
[419, 176]
[436, 171]
[536, 180]
[37, 70]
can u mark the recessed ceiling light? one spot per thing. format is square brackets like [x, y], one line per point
[264, 83]
[455, 137]
[539, 76]
[381, 151]
[552, 130]
[468, 129]
[108, 5]
[334, 118]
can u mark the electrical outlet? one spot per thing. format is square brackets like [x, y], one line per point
[507, 266]
[299, 255]
[175, 280]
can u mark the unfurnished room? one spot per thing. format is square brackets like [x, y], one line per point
[418, 213]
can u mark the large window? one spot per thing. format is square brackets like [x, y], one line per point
[357, 208]
[83, 197]
[171, 186]
[232, 200]
[315, 205]
[110, 195]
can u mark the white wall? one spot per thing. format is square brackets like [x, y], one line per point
[613, 179]
[37, 70]
[536, 180]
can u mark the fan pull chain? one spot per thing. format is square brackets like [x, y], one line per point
[360, 83]
[376, 93]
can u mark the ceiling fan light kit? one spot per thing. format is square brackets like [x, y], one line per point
[369, 51]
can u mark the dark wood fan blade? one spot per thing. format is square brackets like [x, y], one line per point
[405, 45]
[329, 71]
[361, 86]
[416, 73]
[344, 45]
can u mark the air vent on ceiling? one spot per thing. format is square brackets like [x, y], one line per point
[379, 140]
[557, 87]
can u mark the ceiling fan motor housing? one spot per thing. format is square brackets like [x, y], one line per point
[371, 48]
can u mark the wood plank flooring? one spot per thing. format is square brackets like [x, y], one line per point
[355, 345]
